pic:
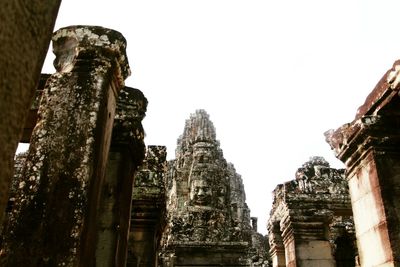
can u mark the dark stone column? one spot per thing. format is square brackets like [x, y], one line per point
[277, 249]
[126, 154]
[370, 148]
[57, 207]
[25, 32]
[148, 212]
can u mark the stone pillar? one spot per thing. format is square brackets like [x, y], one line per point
[26, 27]
[126, 154]
[254, 223]
[277, 249]
[57, 209]
[148, 212]
[305, 243]
[370, 148]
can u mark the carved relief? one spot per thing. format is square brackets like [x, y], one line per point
[206, 201]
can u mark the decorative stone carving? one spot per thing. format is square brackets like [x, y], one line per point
[207, 212]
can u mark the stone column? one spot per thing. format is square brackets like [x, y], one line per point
[148, 212]
[305, 242]
[57, 209]
[277, 249]
[126, 154]
[370, 148]
[26, 27]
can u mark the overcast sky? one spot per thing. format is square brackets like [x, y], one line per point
[273, 75]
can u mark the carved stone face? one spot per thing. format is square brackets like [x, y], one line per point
[200, 193]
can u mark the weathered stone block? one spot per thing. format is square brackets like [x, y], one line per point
[314, 250]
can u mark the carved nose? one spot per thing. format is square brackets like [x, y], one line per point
[201, 192]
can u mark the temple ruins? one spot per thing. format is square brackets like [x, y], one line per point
[89, 192]
[88, 180]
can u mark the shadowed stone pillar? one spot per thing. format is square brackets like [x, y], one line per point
[57, 208]
[277, 249]
[126, 154]
[25, 32]
[148, 211]
[370, 148]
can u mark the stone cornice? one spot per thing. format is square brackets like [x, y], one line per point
[95, 42]
[376, 125]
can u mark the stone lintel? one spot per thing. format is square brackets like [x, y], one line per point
[209, 245]
[301, 228]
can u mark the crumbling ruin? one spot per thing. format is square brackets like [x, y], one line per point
[208, 218]
[311, 219]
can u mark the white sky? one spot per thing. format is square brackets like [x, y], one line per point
[273, 75]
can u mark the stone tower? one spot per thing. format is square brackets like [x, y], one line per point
[208, 219]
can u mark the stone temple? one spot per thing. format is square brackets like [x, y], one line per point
[209, 222]
[89, 193]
